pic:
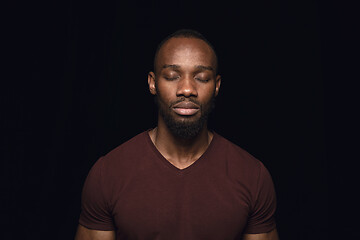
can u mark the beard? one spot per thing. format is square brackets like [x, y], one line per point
[184, 127]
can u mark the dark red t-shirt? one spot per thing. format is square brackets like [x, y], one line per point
[135, 191]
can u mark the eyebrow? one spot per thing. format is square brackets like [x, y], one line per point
[201, 67]
[171, 66]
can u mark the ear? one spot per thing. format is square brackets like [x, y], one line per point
[217, 84]
[151, 82]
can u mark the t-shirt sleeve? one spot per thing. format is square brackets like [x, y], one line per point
[261, 219]
[95, 210]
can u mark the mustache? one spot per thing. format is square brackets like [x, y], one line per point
[183, 99]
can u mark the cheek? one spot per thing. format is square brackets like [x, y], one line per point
[163, 92]
[208, 93]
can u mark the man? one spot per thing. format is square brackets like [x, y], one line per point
[179, 180]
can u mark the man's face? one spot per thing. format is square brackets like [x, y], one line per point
[185, 84]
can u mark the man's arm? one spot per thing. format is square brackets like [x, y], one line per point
[273, 235]
[84, 233]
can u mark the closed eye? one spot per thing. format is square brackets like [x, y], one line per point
[202, 79]
[171, 78]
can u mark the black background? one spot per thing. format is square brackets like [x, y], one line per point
[77, 88]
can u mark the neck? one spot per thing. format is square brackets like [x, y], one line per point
[180, 152]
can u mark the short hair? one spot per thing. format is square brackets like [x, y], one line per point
[185, 33]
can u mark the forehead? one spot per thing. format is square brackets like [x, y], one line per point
[186, 52]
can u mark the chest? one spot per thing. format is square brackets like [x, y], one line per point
[156, 206]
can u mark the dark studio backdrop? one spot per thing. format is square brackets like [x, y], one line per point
[81, 89]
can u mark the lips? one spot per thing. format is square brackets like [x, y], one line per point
[186, 108]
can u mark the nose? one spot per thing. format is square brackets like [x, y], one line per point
[187, 87]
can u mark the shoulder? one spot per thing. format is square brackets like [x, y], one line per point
[240, 165]
[124, 158]
[134, 145]
[235, 154]
[247, 171]
[119, 166]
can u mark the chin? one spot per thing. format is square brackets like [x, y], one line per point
[185, 127]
